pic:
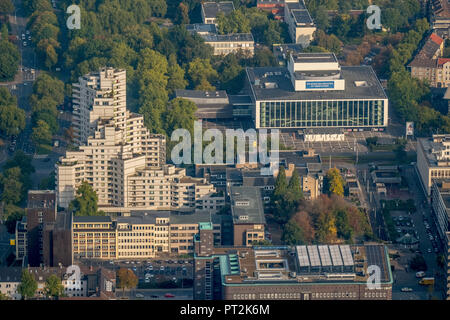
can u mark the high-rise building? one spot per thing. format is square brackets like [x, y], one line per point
[41, 209]
[122, 161]
[98, 95]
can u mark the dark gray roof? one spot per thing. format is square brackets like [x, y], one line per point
[240, 99]
[200, 94]
[201, 27]
[246, 205]
[285, 91]
[302, 17]
[149, 217]
[197, 217]
[234, 174]
[231, 37]
[296, 5]
[211, 9]
[10, 274]
[323, 57]
[91, 219]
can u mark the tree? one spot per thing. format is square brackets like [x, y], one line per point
[176, 75]
[85, 203]
[335, 182]
[48, 86]
[12, 118]
[11, 186]
[180, 115]
[53, 287]
[9, 60]
[182, 14]
[235, 22]
[6, 6]
[13, 214]
[418, 263]
[292, 234]
[202, 74]
[294, 188]
[41, 134]
[4, 297]
[281, 183]
[28, 285]
[127, 279]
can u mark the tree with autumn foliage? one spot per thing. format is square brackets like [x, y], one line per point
[334, 182]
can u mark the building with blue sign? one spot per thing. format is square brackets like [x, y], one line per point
[314, 91]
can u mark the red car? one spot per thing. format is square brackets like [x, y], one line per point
[169, 295]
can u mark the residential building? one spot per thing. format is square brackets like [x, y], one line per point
[314, 91]
[223, 44]
[313, 272]
[125, 165]
[429, 65]
[96, 96]
[41, 209]
[247, 212]
[21, 239]
[433, 160]
[440, 15]
[300, 24]
[10, 278]
[210, 10]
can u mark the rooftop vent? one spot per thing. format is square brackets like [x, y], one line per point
[243, 217]
[361, 84]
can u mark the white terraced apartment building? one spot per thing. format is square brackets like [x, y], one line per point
[125, 165]
[98, 95]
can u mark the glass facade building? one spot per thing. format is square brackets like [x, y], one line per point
[321, 113]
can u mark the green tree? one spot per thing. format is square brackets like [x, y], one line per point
[176, 75]
[127, 279]
[12, 118]
[85, 202]
[41, 134]
[11, 186]
[53, 287]
[13, 214]
[182, 14]
[6, 6]
[294, 189]
[48, 86]
[281, 184]
[292, 234]
[9, 60]
[28, 285]
[202, 74]
[180, 115]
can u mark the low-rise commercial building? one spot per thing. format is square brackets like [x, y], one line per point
[210, 10]
[300, 24]
[247, 212]
[313, 272]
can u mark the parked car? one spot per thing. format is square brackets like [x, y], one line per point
[407, 289]
[169, 295]
[139, 295]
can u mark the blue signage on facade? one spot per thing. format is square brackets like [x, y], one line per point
[319, 84]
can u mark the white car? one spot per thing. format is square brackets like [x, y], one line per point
[406, 289]
[139, 295]
[148, 275]
[24, 43]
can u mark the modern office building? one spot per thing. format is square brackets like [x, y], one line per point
[41, 209]
[440, 202]
[433, 160]
[247, 212]
[142, 235]
[300, 24]
[224, 44]
[313, 272]
[210, 10]
[314, 91]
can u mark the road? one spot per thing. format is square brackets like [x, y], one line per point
[156, 294]
[407, 278]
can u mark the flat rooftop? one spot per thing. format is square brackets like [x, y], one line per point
[232, 37]
[302, 17]
[274, 84]
[201, 28]
[309, 264]
[314, 57]
[211, 9]
[246, 205]
[432, 149]
[200, 94]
